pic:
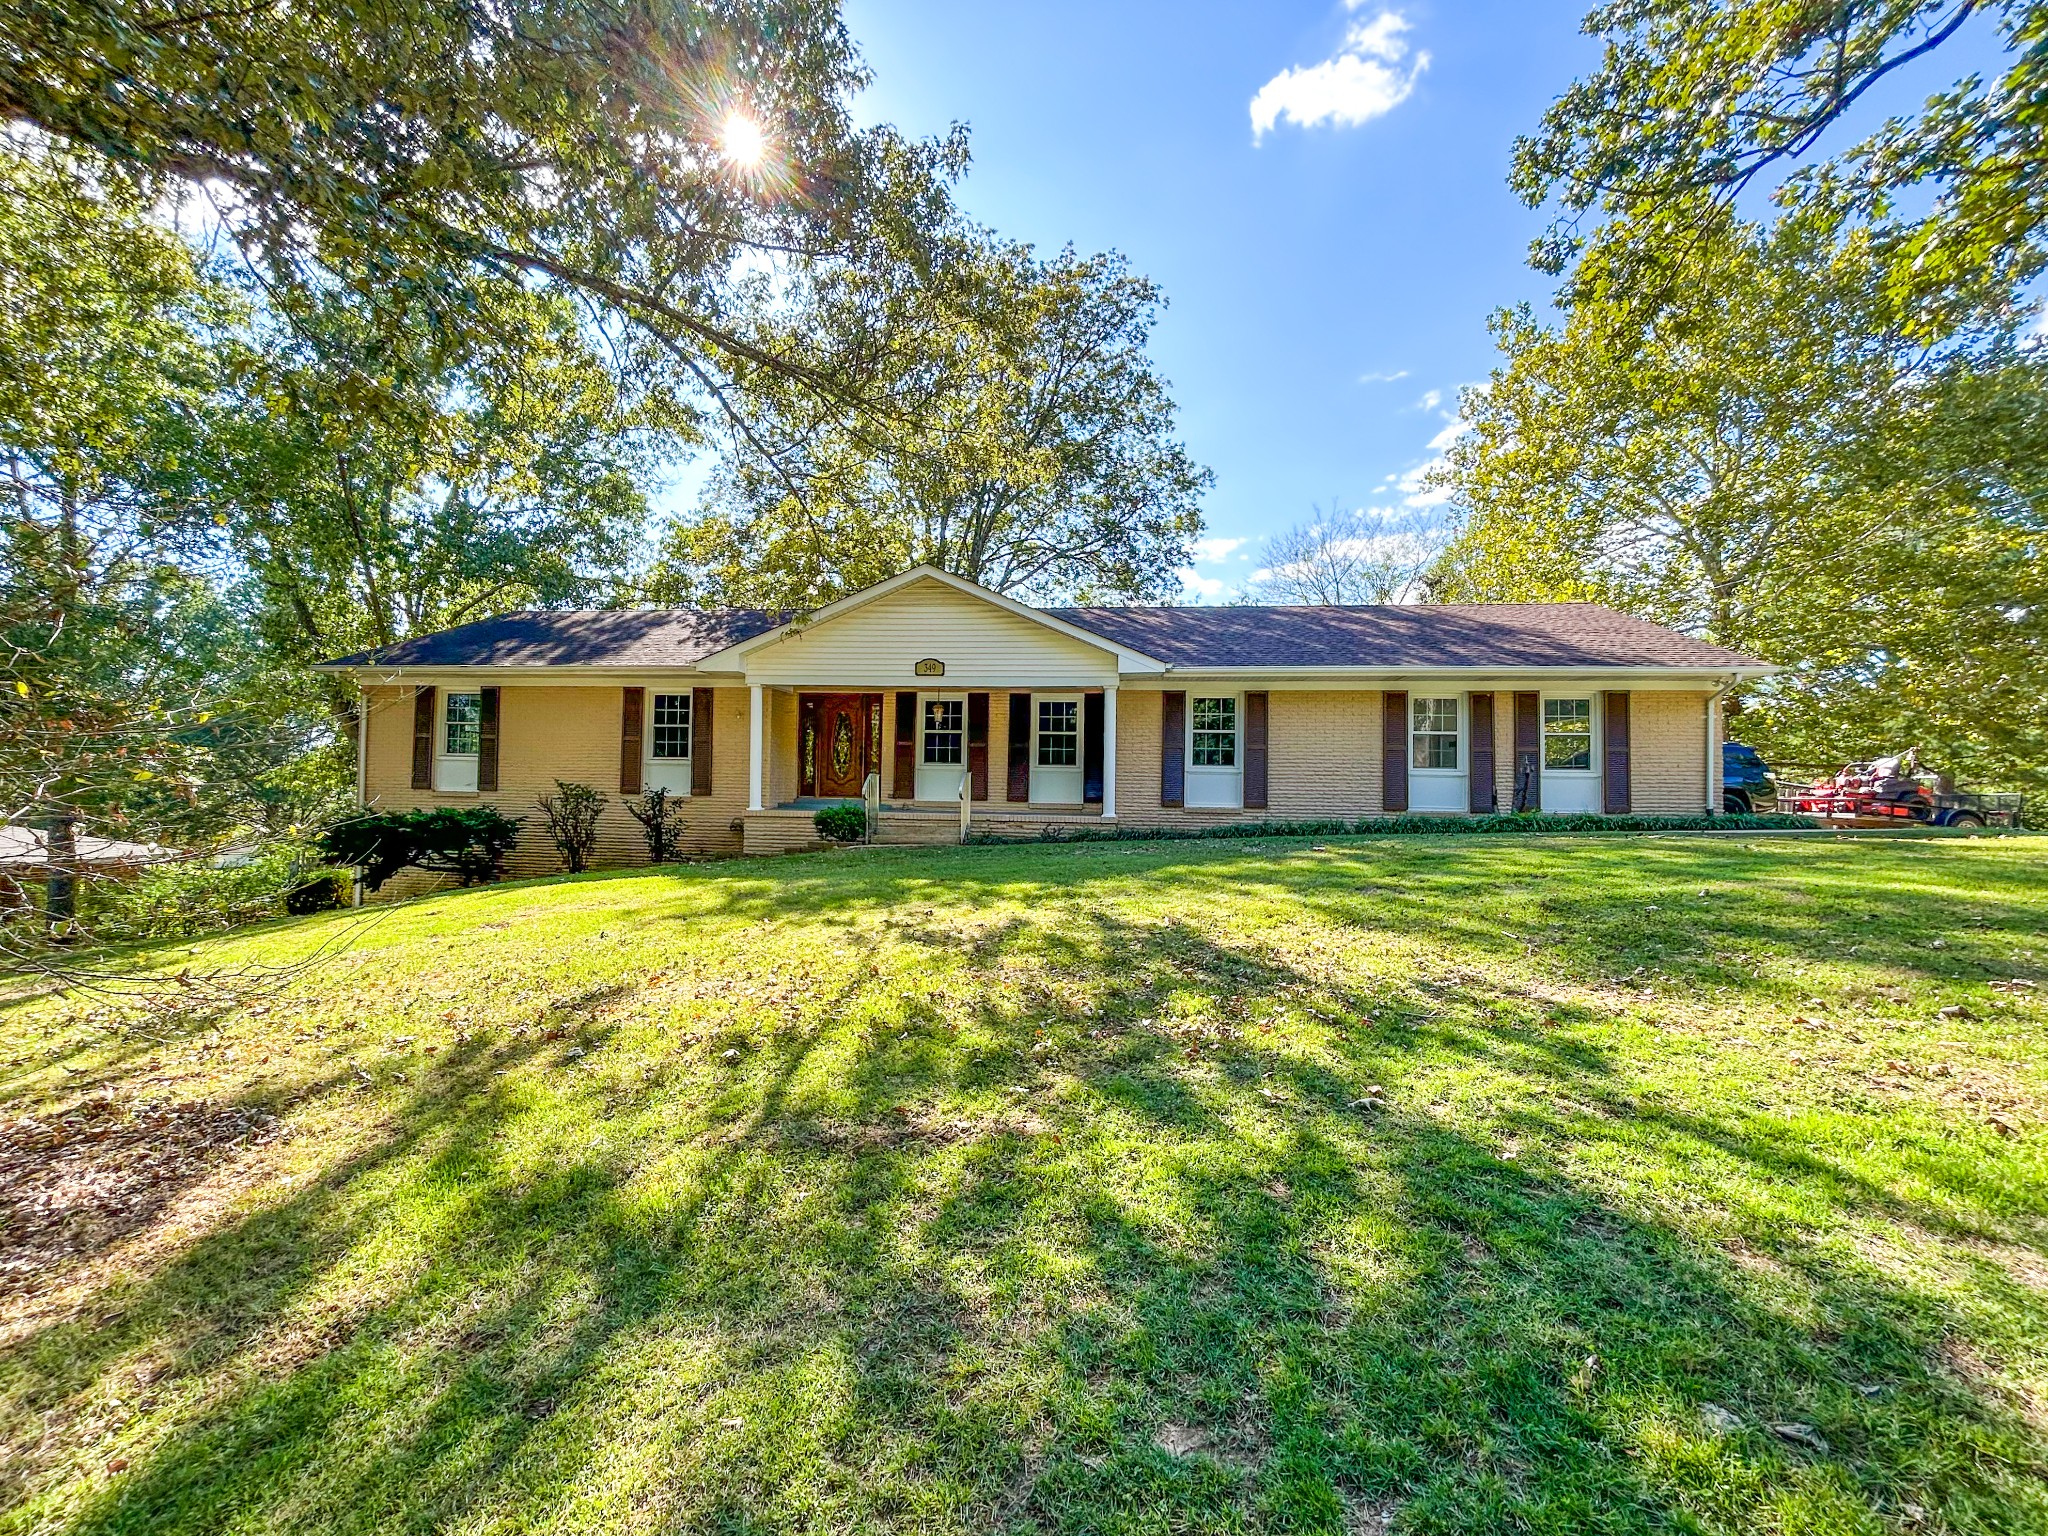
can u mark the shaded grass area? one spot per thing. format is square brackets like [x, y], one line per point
[1268, 1186]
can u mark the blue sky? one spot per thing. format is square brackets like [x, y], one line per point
[1330, 269]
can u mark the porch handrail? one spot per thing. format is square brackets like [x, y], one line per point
[966, 802]
[871, 802]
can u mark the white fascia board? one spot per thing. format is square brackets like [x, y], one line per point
[538, 676]
[1127, 660]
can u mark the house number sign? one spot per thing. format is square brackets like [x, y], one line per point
[930, 667]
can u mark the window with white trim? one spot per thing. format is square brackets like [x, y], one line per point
[1059, 733]
[1212, 739]
[1567, 733]
[945, 731]
[1433, 740]
[670, 738]
[462, 725]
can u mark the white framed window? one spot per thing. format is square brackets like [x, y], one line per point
[1212, 733]
[460, 742]
[945, 732]
[1434, 738]
[1059, 733]
[1567, 735]
[1056, 768]
[1215, 751]
[670, 732]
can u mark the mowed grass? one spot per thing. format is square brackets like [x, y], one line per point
[1424, 1185]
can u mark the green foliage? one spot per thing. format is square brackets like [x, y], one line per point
[571, 813]
[1540, 824]
[1696, 101]
[187, 897]
[1030, 445]
[1768, 463]
[842, 823]
[661, 823]
[323, 892]
[467, 841]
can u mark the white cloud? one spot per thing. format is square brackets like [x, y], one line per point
[1454, 429]
[1199, 586]
[1415, 493]
[1209, 551]
[1369, 76]
[1383, 378]
[1431, 399]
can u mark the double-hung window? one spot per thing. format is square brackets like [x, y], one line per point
[671, 734]
[1568, 733]
[1213, 738]
[1433, 742]
[1059, 733]
[945, 732]
[462, 725]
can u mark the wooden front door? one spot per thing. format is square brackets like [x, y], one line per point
[839, 747]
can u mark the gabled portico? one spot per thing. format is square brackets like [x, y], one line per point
[914, 685]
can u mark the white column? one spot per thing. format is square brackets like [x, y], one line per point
[1109, 752]
[756, 724]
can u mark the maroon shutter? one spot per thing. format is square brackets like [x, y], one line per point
[487, 742]
[632, 738]
[1617, 754]
[1173, 747]
[1020, 746]
[1394, 749]
[977, 743]
[1528, 752]
[1091, 749]
[423, 738]
[906, 746]
[807, 744]
[702, 713]
[1255, 751]
[1479, 753]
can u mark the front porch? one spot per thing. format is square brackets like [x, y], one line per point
[1027, 756]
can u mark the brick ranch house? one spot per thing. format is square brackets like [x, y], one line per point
[1068, 716]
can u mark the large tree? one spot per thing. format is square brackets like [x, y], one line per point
[1365, 555]
[1778, 461]
[641, 155]
[1697, 102]
[1030, 445]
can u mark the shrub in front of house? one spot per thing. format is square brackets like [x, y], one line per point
[1379, 826]
[661, 823]
[842, 823]
[469, 842]
[571, 814]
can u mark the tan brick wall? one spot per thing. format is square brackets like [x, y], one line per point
[1324, 755]
[572, 734]
[1668, 754]
[1504, 751]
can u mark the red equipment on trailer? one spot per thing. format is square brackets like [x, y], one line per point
[1891, 791]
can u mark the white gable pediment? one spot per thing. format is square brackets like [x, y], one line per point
[880, 642]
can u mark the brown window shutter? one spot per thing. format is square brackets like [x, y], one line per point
[1616, 730]
[1394, 749]
[632, 738]
[703, 713]
[977, 743]
[1255, 751]
[1173, 749]
[423, 738]
[487, 742]
[1020, 746]
[906, 746]
[1091, 749]
[1479, 754]
[1528, 752]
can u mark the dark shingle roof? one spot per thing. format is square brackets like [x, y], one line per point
[1504, 635]
[617, 637]
[1496, 635]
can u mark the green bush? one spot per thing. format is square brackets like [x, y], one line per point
[571, 814]
[660, 823]
[842, 823]
[1440, 826]
[469, 842]
[323, 892]
[189, 897]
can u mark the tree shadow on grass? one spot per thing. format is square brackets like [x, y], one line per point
[1168, 1292]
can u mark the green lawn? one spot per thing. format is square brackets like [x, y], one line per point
[1185, 1187]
